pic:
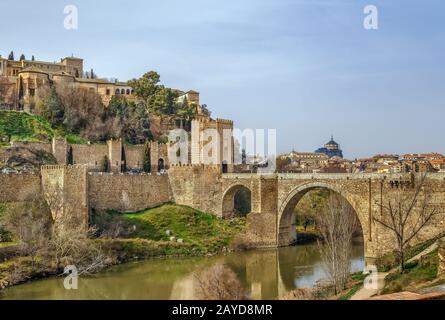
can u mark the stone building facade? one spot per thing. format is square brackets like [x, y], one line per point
[26, 77]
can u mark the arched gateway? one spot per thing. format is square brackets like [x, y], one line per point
[286, 234]
[229, 200]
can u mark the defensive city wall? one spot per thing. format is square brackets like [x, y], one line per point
[118, 155]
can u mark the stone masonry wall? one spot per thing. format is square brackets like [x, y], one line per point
[127, 192]
[19, 187]
[90, 154]
[197, 186]
[134, 156]
[67, 185]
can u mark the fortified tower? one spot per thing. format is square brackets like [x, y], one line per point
[212, 142]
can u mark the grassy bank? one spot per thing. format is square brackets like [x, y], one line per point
[357, 280]
[21, 126]
[204, 232]
[124, 237]
[418, 274]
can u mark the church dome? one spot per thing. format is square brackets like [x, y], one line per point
[332, 145]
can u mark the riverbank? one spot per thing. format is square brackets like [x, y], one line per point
[165, 231]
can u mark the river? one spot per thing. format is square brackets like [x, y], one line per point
[264, 274]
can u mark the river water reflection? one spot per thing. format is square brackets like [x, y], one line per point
[266, 274]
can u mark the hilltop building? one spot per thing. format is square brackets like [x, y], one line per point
[22, 79]
[331, 149]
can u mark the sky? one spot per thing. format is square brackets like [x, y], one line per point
[307, 68]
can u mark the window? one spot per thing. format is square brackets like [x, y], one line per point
[107, 92]
[32, 92]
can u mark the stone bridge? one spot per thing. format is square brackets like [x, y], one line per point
[271, 222]
[274, 197]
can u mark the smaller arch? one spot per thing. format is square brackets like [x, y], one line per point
[122, 91]
[117, 91]
[224, 167]
[128, 91]
[161, 165]
[237, 200]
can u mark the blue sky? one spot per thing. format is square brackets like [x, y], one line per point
[305, 67]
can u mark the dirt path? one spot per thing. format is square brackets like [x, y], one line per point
[366, 293]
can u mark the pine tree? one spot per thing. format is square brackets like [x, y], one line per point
[147, 162]
[11, 56]
[33, 59]
[21, 93]
[22, 57]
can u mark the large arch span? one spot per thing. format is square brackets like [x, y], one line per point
[286, 233]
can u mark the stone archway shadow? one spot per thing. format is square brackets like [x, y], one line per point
[228, 199]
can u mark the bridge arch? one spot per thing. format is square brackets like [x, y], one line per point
[229, 199]
[286, 234]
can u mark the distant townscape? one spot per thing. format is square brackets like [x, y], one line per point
[329, 159]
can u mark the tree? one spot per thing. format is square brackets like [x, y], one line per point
[243, 156]
[105, 164]
[186, 110]
[30, 224]
[282, 162]
[146, 87]
[11, 56]
[164, 102]
[21, 93]
[32, 58]
[406, 213]
[22, 57]
[69, 243]
[219, 283]
[49, 106]
[147, 159]
[337, 223]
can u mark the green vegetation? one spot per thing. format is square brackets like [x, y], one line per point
[204, 232]
[72, 138]
[357, 282]
[21, 126]
[417, 274]
[308, 207]
[389, 260]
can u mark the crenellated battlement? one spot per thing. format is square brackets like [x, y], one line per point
[224, 121]
[63, 167]
[196, 165]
